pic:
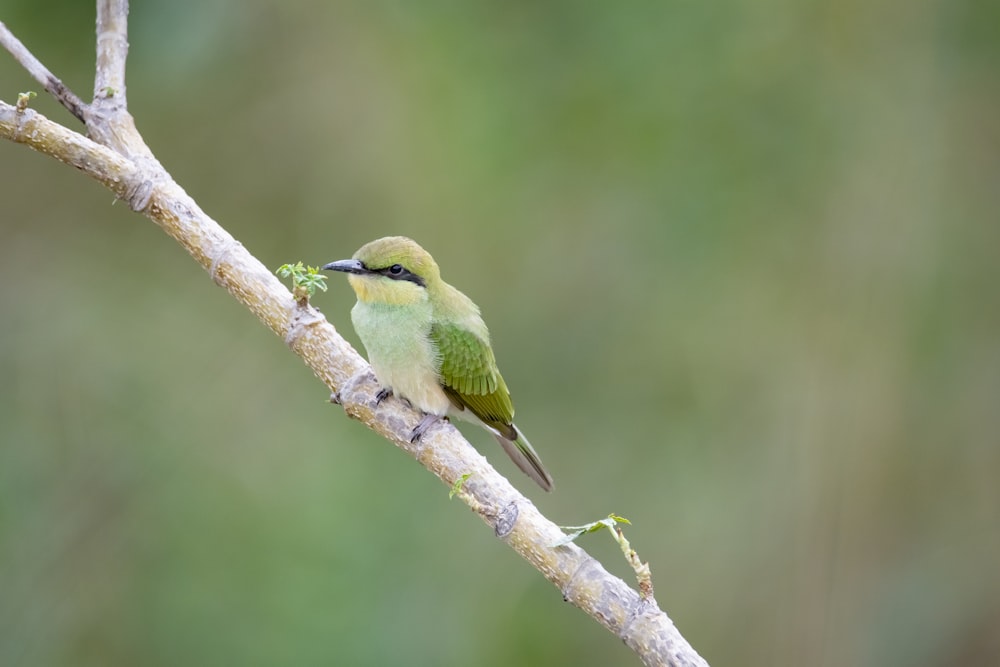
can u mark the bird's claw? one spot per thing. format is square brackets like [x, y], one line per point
[382, 394]
[421, 428]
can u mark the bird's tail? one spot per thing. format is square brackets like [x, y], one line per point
[524, 456]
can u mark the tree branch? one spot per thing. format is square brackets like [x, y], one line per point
[112, 51]
[40, 73]
[118, 158]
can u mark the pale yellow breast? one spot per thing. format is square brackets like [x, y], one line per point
[401, 353]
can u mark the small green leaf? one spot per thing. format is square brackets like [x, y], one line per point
[594, 526]
[457, 486]
[305, 279]
[23, 99]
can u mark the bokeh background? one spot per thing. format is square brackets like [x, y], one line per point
[740, 261]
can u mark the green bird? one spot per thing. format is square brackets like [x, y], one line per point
[428, 344]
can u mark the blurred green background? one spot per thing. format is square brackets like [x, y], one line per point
[740, 261]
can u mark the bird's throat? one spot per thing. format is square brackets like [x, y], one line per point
[379, 290]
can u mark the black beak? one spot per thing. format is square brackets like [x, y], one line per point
[346, 266]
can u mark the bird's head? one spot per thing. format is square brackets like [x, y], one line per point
[392, 270]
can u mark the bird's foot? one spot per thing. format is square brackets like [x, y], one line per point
[425, 423]
[382, 394]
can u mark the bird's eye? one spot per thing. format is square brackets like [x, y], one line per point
[395, 269]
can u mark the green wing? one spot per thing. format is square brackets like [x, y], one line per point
[470, 377]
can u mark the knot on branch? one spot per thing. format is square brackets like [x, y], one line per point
[139, 196]
[220, 256]
[645, 612]
[303, 317]
[506, 519]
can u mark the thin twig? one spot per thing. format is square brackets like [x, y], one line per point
[108, 119]
[41, 74]
[112, 51]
